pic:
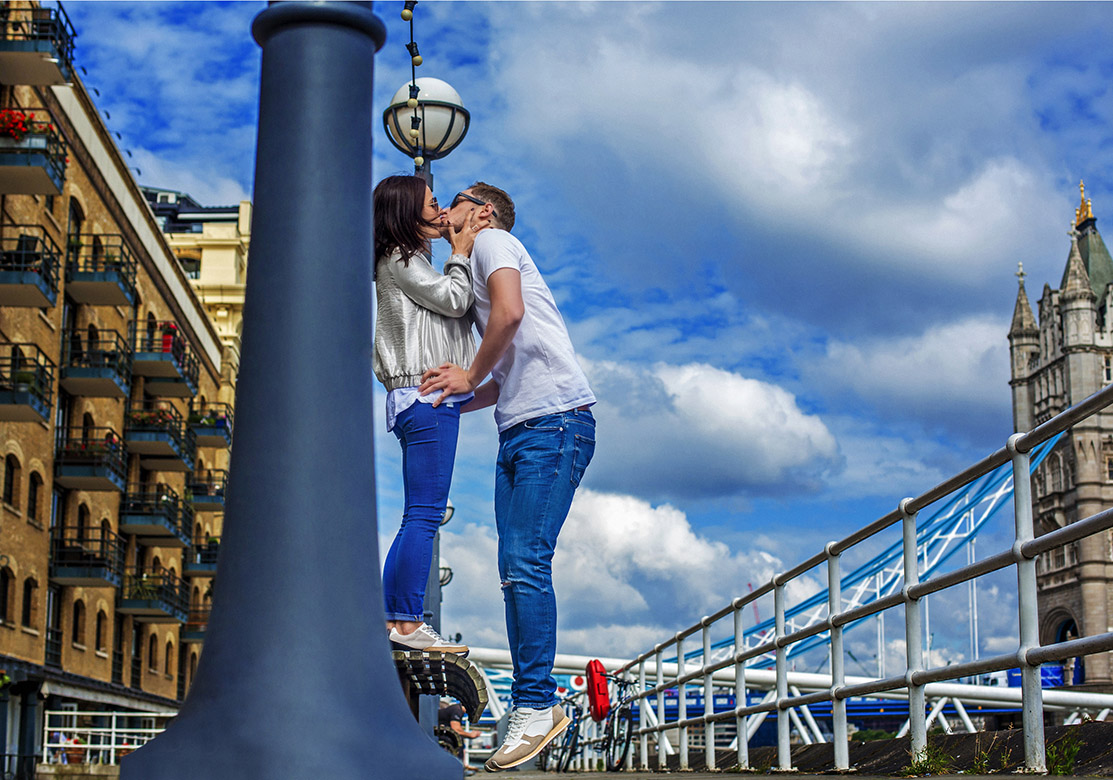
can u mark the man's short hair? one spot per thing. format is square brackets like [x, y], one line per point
[502, 203]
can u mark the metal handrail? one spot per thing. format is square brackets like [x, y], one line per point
[1028, 656]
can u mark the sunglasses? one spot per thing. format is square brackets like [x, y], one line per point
[465, 196]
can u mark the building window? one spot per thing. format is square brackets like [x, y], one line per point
[78, 622]
[7, 591]
[29, 588]
[82, 522]
[34, 490]
[1109, 469]
[1107, 371]
[169, 657]
[102, 620]
[11, 481]
[152, 653]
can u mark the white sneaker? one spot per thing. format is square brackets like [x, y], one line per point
[425, 638]
[529, 731]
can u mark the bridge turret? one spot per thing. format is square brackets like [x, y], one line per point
[1024, 347]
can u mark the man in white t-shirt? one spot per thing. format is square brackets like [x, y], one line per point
[546, 439]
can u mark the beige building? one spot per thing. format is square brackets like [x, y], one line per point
[115, 416]
[1057, 362]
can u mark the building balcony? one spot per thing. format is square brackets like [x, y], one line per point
[162, 354]
[29, 262]
[159, 437]
[156, 596]
[156, 515]
[200, 559]
[196, 624]
[100, 270]
[89, 459]
[97, 367]
[207, 490]
[32, 159]
[37, 47]
[26, 383]
[89, 557]
[212, 425]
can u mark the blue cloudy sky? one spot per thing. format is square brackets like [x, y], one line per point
[783, 237]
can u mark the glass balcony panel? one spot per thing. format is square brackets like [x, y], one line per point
[29, 262]
[26, 383]
[96, 368]
[37, 46]
[89, 459]
[100, 270]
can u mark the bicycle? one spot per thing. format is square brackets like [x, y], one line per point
[618, 728]
[557, 755]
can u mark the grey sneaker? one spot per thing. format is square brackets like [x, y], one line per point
[529, 731]
[425, 638]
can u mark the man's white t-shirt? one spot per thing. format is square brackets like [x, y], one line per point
[538, 374]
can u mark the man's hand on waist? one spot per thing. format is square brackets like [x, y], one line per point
[449, 378]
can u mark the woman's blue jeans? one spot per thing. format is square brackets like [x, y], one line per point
[428, 437]
[540, 464]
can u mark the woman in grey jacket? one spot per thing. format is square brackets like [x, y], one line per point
[422, 322]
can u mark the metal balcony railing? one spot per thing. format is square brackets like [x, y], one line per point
[675, 664]
[26, 382]
[32, 31]
[100, 269]
[98, 366]
[157, 430]
[32, 155]
[90, 459]
[86, 555]
[163, 354]
[154, 511]
[212, 424]
[29, 262]
[155, 585]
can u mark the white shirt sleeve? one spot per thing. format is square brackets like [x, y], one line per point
[495, 249]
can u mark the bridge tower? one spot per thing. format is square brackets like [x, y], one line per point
[1056, 363]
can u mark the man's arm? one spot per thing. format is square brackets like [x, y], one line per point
[507, 310]
[458, 727]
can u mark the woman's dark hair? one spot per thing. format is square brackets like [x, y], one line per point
[398, 203]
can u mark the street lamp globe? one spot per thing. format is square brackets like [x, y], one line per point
[443, 121]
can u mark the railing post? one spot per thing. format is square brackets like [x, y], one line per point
[913, 631]
[784, 724]
[661, 760]
[643, 721]
[741, 723]
[708, 700]
[838, 706]
[682, 704]
[1030, 685]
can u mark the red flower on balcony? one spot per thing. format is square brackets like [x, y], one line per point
[16, 124]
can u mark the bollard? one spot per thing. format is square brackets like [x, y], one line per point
[296, 679]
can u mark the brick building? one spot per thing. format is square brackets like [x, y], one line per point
[115, 417]
[1057, 362]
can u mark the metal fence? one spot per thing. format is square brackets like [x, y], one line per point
[664, 667]
[73, 737]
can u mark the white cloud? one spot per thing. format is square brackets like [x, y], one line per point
[700, 430]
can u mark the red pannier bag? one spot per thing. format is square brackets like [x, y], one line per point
[597, 697]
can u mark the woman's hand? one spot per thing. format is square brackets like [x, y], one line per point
[463, 241]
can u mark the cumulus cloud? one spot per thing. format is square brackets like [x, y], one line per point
[697, 430]
[627, 574]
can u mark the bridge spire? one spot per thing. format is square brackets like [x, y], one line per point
[1024, 323]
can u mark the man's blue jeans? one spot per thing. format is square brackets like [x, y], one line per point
[428, 437]
[540, 464]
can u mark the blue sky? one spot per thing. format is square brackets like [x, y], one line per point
[783, 237]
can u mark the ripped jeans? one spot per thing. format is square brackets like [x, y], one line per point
[540, 464]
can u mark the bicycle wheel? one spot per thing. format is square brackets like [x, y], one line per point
[569, 743]
[544, 759]
[620, 731]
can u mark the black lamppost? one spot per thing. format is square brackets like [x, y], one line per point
[296, 679]
[426, 120]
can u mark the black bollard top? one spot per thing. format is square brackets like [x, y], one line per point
[352, 13]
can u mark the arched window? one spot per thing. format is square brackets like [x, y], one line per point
[152, 329]
[77, 221]
[11, 481]
[94, 337]
[87, 426]
[169, 658]
[192, 665]
[17, 358]
[105, 535]
[30, 607]
[98, 251]
[98, 638]
[75, 347]
[78, 622]
[156, 564]
[34, 493]
[7, 593]
[152, 653]
[82, 522]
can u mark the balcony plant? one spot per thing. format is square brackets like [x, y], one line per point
[17, 124]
